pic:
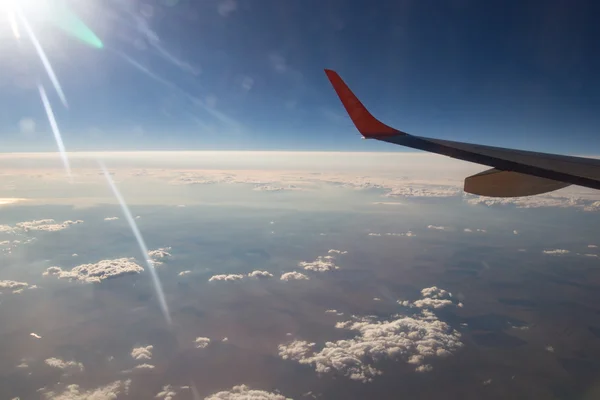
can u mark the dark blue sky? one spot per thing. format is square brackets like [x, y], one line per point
[247, 74]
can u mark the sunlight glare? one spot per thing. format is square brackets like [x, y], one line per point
[141, 243]
[55, 131]
[43, 58]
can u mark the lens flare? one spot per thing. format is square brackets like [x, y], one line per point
[141, 243]
[66, 20]
[43, 58]
[12, 21]
[55, 130]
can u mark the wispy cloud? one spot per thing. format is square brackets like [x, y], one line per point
[196, 101]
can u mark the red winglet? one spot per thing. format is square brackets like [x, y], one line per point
[367, 124]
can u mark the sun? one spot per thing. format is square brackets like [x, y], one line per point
[54, 12]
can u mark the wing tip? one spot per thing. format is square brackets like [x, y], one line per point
[365, 122]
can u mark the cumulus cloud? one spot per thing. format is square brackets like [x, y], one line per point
[439, 228]
[334, 251]
[415, 339]
[226, 277]
[111, 218]
[157, 256]
[143, 367]
[47, 225]
[556, 252]
[290, 276]
[35, 335]
[142, 353]
[592, 246]
[322, 263]
[99, 271]
[13, 285]
[182, 273]
[6, 229]
[201, 342]
[112, 391]
[167, 393]
[68, 366]
[260, 274]
[243, 392]
[434, 297]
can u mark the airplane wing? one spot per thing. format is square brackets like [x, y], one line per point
[514, 173]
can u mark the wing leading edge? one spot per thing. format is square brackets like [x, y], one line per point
[514, 173]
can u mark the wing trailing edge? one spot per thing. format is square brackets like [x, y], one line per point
[496, 183]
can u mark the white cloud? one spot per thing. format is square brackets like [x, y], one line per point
[201, 342]
[550, 349]
[23, 364]
[439, 228]
[182, 273]
[35, 335]
[167, 393]
[322, 263]
[6, 228]
[592, 246]
[143, 367]
[515, 232]
[68, 366]
[434, 297]
[260, 274]
[558, 199]
[290, 276]
[415, 339]
[556, 252]
[226, 278]
[334, 251]
[111, 218]
[243, 392]
[407, 234]
[142, 353]
[14, 285]
[47, 225]
[157, 256]
[112, 391]
[99, 271]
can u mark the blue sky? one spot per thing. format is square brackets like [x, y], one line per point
[243, 74]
